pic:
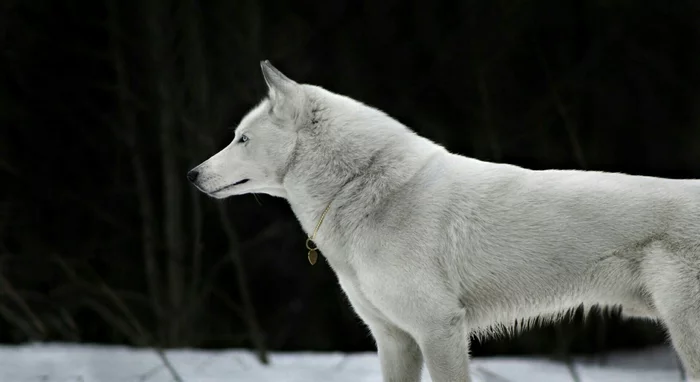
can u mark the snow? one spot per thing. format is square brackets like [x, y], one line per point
[81, 363]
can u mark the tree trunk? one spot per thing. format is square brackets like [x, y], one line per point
[163, 55]
[128, 133]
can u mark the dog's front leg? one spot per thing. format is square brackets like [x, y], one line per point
[399, 354]
[445, 347]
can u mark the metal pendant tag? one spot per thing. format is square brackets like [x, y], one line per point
[313, 256]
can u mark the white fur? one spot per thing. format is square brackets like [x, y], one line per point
[430, 246]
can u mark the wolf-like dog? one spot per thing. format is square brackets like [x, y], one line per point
[430, 246]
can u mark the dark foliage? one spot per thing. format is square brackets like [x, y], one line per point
[105, 105]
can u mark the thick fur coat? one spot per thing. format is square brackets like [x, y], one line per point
[430, 246]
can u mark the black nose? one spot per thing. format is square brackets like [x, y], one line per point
[192, 175]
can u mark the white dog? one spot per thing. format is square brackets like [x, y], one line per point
[430, 246]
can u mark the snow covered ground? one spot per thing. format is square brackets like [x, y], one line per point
[64, 363]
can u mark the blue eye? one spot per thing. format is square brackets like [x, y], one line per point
[244, 139]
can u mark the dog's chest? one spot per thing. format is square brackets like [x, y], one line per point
[375, 282]
[375, 295]
[365, 299]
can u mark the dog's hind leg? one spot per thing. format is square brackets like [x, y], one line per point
[684, 329]
[675, 288]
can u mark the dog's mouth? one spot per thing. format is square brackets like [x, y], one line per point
[224, 188]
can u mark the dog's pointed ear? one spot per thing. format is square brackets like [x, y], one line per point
[285, 94]
[277, 82]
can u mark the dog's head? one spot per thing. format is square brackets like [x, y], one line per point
[263, 143]
[300, 134]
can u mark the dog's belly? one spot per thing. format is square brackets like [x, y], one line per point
[510, 314]
[548, 297]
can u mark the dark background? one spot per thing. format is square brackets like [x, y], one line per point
[105, 105]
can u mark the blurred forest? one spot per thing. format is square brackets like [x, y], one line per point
[105, 105]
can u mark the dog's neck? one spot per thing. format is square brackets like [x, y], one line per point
[352, 194]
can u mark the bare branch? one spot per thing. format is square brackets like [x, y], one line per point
[487, 114]
[20, 322]
[173, 372]
[21, 303]
[248, 307]
[569, 123]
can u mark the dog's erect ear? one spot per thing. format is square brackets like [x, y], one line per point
[276, 81]
[286, 95]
